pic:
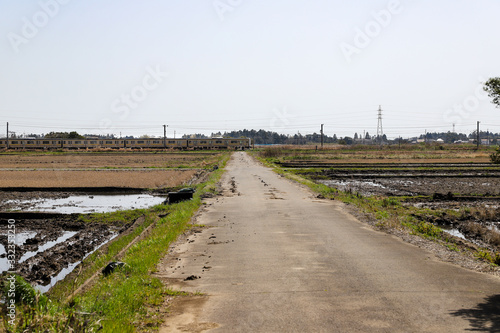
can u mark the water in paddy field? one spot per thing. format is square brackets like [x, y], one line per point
[66, 235]
[21, 238]
[65, 271]
[83, 204]
[4, 263]
[453, 232]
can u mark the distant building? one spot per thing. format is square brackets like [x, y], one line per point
[485, 142]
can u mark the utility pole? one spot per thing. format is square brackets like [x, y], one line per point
[164, 136]
[322, 136]
[477, 135]
[7, 136]
[453, 127]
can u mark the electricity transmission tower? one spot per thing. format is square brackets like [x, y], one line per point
[380, 132]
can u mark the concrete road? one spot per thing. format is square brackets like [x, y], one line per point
[277, 259]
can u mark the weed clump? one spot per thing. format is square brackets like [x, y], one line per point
[34, 312]
[272, 152]
[495, 157]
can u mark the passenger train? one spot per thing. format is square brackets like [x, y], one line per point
[150, 143]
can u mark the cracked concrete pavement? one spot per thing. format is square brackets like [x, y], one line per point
[274, 258]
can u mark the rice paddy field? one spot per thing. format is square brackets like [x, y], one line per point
[52, 196]
[440, 191]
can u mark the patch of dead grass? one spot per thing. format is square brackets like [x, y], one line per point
[101, 178]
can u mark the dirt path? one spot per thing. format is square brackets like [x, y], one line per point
[277, 259]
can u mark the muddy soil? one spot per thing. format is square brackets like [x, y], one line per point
[444, 194]
[8, 199]
[48, 243]
[418, 186]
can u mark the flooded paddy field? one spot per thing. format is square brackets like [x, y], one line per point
[78, 202]
[52, 197]
[463, 199]
[49, 246]
[401, 179]
[52, 235]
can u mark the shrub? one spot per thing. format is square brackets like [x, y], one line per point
[495, 157]
[386, 202]
[272, 152]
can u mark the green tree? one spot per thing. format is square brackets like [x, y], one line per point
[64, 135]
[492, 87]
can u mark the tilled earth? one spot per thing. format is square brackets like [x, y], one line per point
[42, 247]
[417, 186]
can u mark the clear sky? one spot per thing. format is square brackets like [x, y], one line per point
[202, 66]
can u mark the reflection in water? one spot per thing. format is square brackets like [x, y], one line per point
[83, 204]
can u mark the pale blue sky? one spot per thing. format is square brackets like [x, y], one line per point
[203, 66]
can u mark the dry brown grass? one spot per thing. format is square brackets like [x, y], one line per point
[476, 230]
[102, 160]
[101, 178]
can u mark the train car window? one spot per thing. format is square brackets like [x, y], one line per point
[234, 141]
[171, 142]
[140, 141]
[156, 142]
[15, 142]
[218, 141]
[77, 142]
[45, 142]
[30, 142]
[203, 142]
[109, 142]
[93, 142]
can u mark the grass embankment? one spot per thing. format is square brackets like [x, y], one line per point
[125, 301]
[387, 153]
[388, 212]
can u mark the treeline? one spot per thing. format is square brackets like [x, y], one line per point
[452, 137]
[64, 135]
[262, 137]
[267, 137]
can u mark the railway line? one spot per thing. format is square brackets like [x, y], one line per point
[150, 143]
